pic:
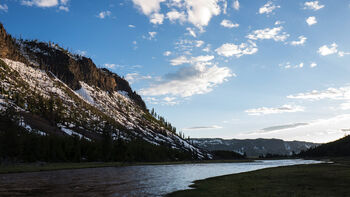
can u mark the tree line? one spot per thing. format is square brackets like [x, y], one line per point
[19, 145]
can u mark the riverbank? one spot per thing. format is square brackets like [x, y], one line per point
[328, 179]
[42, 166]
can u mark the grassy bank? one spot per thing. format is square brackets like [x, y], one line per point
[35, 167]
[301, 180]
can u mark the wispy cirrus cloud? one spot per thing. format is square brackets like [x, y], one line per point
[319, 130]
[342, 93]
[202, 128]
[288, 65]
[192, 60]
[135, 77]
[271, 110]
[4, 7]
[281, 127]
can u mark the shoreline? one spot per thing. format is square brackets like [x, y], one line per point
[43, 166]
[324, 179]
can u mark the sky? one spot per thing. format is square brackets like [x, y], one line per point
[213, 68]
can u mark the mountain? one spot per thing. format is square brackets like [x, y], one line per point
[338, 148]
[253, 147]
[53, 92]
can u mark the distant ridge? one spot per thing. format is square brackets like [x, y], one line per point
[254, 147]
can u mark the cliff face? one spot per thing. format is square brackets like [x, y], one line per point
[8, 46]
[69, 68]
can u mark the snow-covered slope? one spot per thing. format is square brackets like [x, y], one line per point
[89, 106]
[79, 98]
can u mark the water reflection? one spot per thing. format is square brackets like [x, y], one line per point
[124, 181]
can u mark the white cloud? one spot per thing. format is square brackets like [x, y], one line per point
[224, 7]
[82, 53]
[64, 2]
[279, 110]
[40, 3]
[313, 65]
[342, 53]
[201, 12]
[236, 5]
[230, 49]
[175, 15]
[342, 93]
[193, 60]
[207, 48]
[110, 66]
[320, 131]
[331, 49]
[132, 26]
[313, 5]
[188, 81]
[267, 33]
[228, 24]
[268, 8]
[301, 41]
[288, 65]
[148, 6]
[279, 22]
[336, 94]
[328, 50]
[152, 35]
[151, 8]
[311, 20]
[3, 8]
[167, 53]
[104, 14]
[199, 43]
[202, 127]
[157, 18]
[186, 46]
[345, 106]
[63, 8]
[134, 77]
[179, 60]
[191, 32]
[170, 100]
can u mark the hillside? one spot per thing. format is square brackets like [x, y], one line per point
[338, 148]
[253, 147]
[48, 91]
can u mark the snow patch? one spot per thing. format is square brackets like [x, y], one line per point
[84, 93]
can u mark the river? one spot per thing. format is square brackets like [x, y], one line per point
[147, 180]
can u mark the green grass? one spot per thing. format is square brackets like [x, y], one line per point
[35, 167]
[302, 180]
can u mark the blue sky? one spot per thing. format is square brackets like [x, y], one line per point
[214, 68]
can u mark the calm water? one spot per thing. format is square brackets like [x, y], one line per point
[124, 181]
